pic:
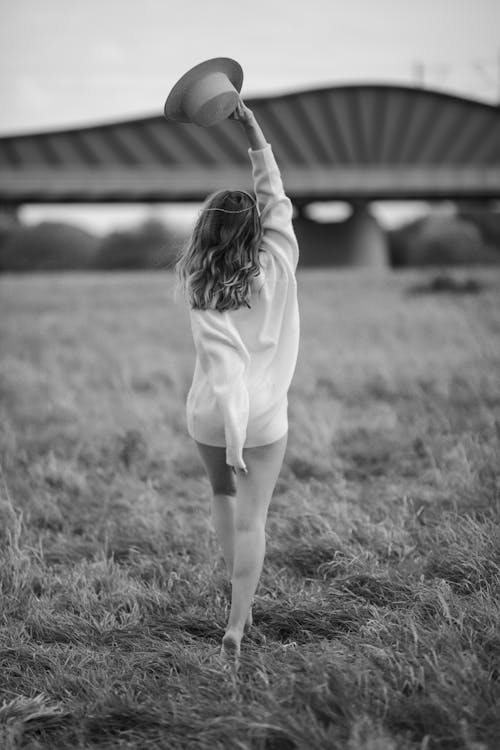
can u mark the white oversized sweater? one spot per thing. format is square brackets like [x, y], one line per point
[246, 357]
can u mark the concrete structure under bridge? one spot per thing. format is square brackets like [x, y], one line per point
[357, 143]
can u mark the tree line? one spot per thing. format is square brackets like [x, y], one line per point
[469, 236]
[59, 246]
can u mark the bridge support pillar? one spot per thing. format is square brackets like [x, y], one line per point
[357, 241]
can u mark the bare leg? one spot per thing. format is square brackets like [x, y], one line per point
[254, 491]
[223, 521]
[223, 514]
[223, 482]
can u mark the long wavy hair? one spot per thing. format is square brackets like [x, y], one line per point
[215, 268]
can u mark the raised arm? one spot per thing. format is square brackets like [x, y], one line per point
[276, 210]
[224, 360]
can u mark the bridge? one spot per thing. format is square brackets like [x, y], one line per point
[355, 143]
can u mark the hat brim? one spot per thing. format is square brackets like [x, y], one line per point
[174, 106]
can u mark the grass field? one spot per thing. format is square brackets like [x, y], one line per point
[377, 620]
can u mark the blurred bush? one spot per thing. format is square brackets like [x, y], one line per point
[56, 246]
[150, 245]
[49, 246]
[443, 240]
[9, 222]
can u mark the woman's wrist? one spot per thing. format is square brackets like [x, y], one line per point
[254, 134]
[248, 121]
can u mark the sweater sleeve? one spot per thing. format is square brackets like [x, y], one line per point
[224, 360]
[276, 210]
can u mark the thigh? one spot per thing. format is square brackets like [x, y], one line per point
[255, 488]
[221, 476]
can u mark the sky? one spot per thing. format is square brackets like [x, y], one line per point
[68, 63]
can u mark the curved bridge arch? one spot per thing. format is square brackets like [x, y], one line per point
[353, 142]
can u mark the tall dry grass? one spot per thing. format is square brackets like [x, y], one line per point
[377, 618]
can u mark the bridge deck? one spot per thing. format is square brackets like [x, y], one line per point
[352, 142]
[303, 185]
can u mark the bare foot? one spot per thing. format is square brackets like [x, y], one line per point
[230, 649]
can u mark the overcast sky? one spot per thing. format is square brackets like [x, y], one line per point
[68, 63]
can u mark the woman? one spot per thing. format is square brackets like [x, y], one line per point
[238, 275]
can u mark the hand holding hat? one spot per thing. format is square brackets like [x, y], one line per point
[207, 93]
[242, 113]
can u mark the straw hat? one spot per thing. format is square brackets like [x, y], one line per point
[206, 94]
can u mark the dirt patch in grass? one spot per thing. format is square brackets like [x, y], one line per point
[447, 284]
[380, 592]
[320, 559]
[303, 625]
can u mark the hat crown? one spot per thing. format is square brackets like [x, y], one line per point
[207, 93]
[210, 99]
